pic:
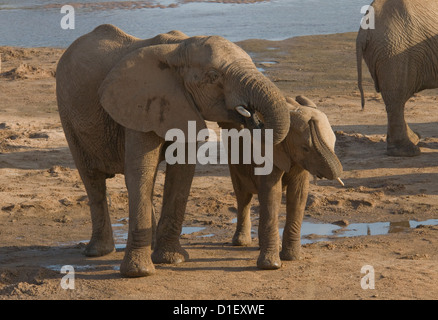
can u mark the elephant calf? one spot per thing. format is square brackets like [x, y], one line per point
[308, 147]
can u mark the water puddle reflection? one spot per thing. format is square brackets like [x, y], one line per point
[265, 64]
[313, 232]
[120, 232]
[310, 231]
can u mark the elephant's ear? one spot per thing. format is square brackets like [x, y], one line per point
[281, 157]
[304, 101]
[143, 92]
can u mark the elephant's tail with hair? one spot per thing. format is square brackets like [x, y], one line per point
[359, 56]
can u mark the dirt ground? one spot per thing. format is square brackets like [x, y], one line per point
[45, 222]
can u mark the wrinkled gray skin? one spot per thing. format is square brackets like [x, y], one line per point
[402, 56]
[118, 96]
[308, 147]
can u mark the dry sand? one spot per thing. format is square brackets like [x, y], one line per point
[44, 216]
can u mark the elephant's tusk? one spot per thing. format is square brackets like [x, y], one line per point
[340, 182]
[243, 111]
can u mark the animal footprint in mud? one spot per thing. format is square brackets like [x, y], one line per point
[357, 203]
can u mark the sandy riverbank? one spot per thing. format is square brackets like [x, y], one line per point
[44, 217]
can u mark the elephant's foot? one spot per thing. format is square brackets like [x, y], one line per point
[242, 239]
[406, 146]
[403, 150]
[291, 251]
[101, 247]
[137, 263]
[171, 254]
[269, 260]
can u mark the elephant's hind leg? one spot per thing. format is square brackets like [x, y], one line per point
[401, 140]
[102, 241]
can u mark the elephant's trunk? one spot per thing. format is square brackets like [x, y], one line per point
[259, 94]
[332, 167]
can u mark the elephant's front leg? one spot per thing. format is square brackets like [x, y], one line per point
[176, 192]
[401, 140]
[296, 198]
[270, 199]
[141, 161]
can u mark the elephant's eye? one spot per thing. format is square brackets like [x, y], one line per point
[306, 149]
[212, 76]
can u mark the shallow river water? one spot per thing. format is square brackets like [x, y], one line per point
[38, 23]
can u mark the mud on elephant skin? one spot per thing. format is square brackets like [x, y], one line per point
[401, 53]
[117, 97]
[307, 148]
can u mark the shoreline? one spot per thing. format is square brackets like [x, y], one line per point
[249, 40]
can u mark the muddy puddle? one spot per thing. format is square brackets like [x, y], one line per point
[310, 231]
[265, 64]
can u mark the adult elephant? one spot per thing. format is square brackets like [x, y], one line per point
[308, 147]
[401, 53]
[117, 97]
